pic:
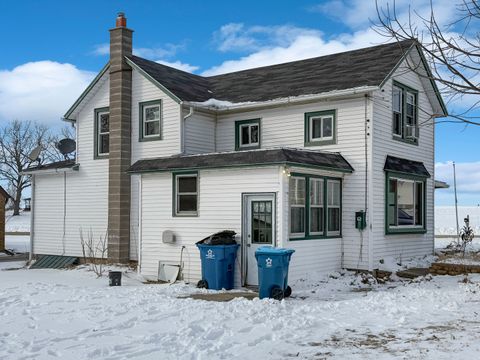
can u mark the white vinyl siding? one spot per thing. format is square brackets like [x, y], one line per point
[285, 127]
[401, 246]
[199, 133]
[220, 208]
[86, 201]
[144, 90]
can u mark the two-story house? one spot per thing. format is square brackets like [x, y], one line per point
[331, 156]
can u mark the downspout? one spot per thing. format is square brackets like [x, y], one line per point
[190, 113]
[139, 250]
[32, 221]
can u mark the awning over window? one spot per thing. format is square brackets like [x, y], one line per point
[405, 166]
[283, 156]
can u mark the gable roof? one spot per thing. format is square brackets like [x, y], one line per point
[364, 68]
[282, 156]
[347, 70]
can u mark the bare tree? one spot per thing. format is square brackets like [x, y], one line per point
[452, 50]
[17, 140]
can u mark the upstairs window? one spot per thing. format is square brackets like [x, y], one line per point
[405, 117]
[102, 133]
[247, 134]
[405, 204]
[150, 120]
[320, 128]
[185, 194]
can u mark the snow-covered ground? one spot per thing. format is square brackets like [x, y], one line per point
[19, 223]
[17, 243]
[445, 219]
[70, 314]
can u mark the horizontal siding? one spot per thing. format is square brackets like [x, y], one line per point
[401, 246]
[284, 127]
[199, 133]
[86, 192]
[220, 209]
[144, 90]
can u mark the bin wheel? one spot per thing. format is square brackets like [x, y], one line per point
[202, 284]
[287, 292]
[276, 293]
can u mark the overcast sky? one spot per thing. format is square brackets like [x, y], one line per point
[52, 49]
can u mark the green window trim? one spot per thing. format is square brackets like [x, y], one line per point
[421, 229]
[239, 124]
[175, 176]
[403, 116]
[96, 112]
[309, 140]
[325, 234]
[141, 121]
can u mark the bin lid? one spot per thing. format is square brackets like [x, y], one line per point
[267, 250]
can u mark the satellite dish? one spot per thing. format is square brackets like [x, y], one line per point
[66, 146]
[35, 153]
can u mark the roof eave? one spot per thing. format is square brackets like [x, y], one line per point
[282, 101]
[33, 171]
[68, 114]
[429, 74]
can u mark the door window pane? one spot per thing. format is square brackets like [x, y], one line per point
[262, 222]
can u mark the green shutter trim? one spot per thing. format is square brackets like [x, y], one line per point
[238, 123]
[308, 116]
[141, 105]
[417, 230]
[174, 193]
[95, 133]
[325, 202]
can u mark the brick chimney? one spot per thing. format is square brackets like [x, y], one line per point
[120, 138]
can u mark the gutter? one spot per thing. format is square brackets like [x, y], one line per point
[283, 101]
[51, 171]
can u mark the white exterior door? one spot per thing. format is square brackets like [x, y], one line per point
[259, 227]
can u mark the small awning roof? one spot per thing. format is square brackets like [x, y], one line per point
[4, 193]
[405, 166]
[441, 185]
[283, 156]
[64, 164]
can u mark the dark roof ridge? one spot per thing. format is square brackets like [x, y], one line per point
[346, 52]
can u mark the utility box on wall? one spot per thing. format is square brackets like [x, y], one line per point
[360, 220]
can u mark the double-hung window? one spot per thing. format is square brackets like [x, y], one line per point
[185, 194]
[315, 206]
[150, 120]
[405, 113]
[320, 128]
[247, 134]
[405, 206]
[102, 133]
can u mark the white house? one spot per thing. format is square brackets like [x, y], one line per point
[292, 155]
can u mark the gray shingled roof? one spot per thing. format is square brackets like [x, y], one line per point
[347, 70]
[283, 156]
[54, 165]
[405, 166]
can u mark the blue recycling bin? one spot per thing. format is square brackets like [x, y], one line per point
[218, 265]
[273, 272]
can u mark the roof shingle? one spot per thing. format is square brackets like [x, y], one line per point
[347, 70]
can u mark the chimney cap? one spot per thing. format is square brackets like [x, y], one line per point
[121, 20]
